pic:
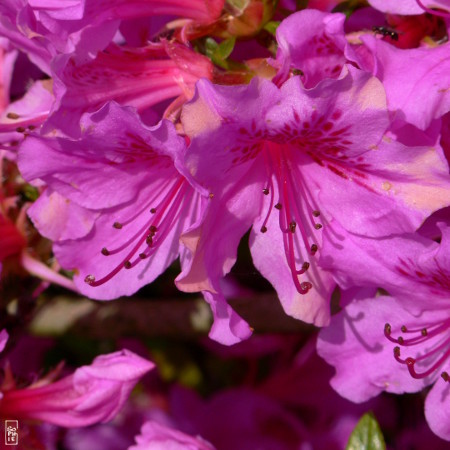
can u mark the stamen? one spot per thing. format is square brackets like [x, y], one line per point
[169, 210]
[434, 356]
[266, 191]
[292, 227]
[314, 249]
[153, 210]
[278, 206]
[90, 279]
[12, 115]
[263, 229]
[318, 226]
[316, 213]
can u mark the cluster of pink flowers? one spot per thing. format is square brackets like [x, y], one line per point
[137, 132]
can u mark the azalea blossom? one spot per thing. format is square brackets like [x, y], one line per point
[92, 394]
[287, 160]
[140, 77]
[130, 202]
[155, 436]
[415, 271]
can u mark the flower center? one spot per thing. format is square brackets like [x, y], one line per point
[297, 218]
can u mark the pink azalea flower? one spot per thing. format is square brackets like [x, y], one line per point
[90, 395]
[125, 202]
[288, 160]
[404, 7]
[155, 436]
[416, 271]
[313, 42]
[24, 115]
[140, 77]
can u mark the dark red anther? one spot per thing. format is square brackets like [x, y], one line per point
[397, 352]
[445, 376]
[105, 251]
[387, 329]
[142, 255]
[12, 115]
[278, 206]
[263, 229]
[89, 279]
[404, 329]
[410, 361]
[153, 229]
[292, 227]
[400, 340]
[314, 249]
[424, 332]
[305, 265]
[20, 129]
[117, 225]
[149, 240]
[318, 226]
[266, 191]
[153, 210]
[306, 286]
[127, 265]
[316, 213]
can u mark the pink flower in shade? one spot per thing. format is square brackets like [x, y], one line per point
[204, 11]
[116, 202]
[90, 395]
[3, 339]
[139, 77]
[155, 436]
[288, 160]
[12, 241]
[416, 271]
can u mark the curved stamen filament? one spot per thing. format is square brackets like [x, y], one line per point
[411, 362]
[288, 212]
[165, 214]
[138, 233]
[439, 350]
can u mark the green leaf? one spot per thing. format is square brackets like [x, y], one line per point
[271, 26]
[218, 53]
[366, 435]
[225, 48]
